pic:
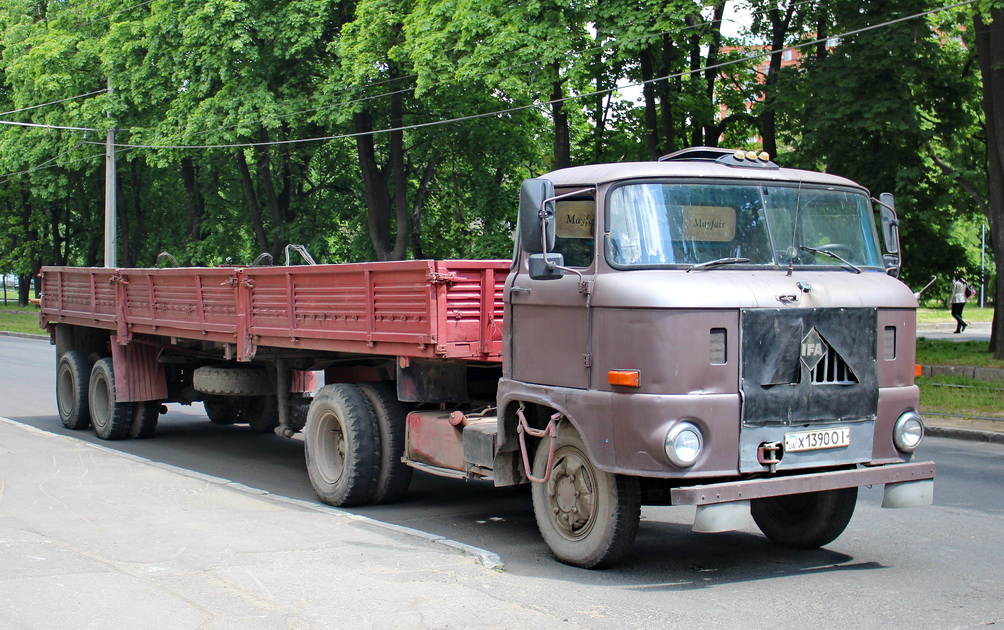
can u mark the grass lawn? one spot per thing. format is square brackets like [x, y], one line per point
[19, 319]
[960, 396]
[20, 322]
[948, 352]
[972, 313]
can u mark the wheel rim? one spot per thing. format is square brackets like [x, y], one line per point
[331, 442]
[64, 392]
[571, 494]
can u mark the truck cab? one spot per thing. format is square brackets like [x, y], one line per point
[706, 320]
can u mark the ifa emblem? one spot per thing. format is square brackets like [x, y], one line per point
[813, 349]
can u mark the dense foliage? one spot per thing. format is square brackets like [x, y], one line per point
[387, 129]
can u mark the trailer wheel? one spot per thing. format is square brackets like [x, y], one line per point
[260, 412]
[341, 445]
[390, 413]
[111, 419]
[588, 517]
[72, 375]
[220, 411]
[145, 415]
[805, 521]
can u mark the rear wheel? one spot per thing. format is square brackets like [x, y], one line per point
[341, 445]
[145, 415]
[72, 376]
[588, 517]
[111, 419]
[805, 521]
[220, 411]
[390, 414]
[260, 412]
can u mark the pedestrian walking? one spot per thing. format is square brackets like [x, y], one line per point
[961, 292]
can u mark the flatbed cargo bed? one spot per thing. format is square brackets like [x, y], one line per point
[420, 308]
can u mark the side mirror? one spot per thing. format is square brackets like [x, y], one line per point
[891, 262]
[536, 222]
[890, 224]
[546, 266]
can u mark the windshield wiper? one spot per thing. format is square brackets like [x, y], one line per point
[716, 262]
[824, 252]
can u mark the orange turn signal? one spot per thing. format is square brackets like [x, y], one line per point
[918, 370]
[624, 378]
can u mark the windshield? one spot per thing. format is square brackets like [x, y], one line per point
[687, 224]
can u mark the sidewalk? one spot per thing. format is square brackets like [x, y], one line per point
[90, 537]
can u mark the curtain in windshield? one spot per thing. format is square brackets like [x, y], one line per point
[686, 224]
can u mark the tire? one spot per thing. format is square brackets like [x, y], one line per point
[145, 415]
[805, 521]
[588, 517]
[111, 420]
[231, 381]
[73, 373]
[394, 476]
[298, 415]
[260, 412]
[220, 411]
[341, 445]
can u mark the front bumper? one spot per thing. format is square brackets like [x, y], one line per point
[729, 491]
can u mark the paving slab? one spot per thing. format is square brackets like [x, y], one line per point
[92, 538]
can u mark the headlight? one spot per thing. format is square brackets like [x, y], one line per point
[683, 444]
[908, 432]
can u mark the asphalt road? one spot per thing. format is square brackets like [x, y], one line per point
[935, 567]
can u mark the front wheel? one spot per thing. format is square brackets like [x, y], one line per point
[342, 446]
[588, 517]
[805, 521]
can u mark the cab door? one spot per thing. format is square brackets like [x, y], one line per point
[550, 318]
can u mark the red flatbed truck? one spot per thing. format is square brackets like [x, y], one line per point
[707, 330]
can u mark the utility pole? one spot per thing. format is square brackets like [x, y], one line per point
[111, 219]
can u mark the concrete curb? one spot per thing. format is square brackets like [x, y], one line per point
[488, 559]
[7, 333]
[971, 435]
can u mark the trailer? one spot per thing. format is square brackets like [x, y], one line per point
[709, 330]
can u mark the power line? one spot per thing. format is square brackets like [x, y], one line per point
[15, 123]
[63, 100]
[50, 163]
[519, 108]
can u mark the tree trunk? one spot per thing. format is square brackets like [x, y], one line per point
[252, 200]
[711, 130]
[267, 190]
[399, 174]
[651, 113]
[779, 25]
[374, 187]
[562, 141]
[418, 204]
[194, 204]
[666, 99]
[990, 50]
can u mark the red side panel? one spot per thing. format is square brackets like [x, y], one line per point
[418, 308]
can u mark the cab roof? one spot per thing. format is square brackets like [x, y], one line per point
[598, 174]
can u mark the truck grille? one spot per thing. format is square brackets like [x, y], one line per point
[832, 370]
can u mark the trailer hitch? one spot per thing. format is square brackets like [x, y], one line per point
[551, 431]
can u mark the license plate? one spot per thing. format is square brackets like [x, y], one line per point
[817, 440]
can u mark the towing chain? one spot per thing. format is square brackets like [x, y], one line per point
[551, 431]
